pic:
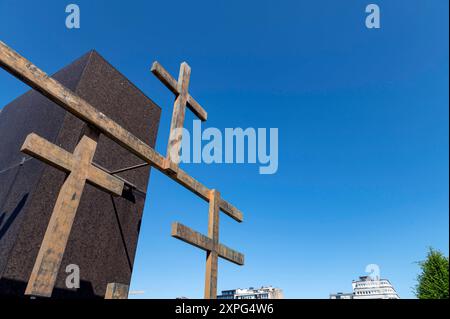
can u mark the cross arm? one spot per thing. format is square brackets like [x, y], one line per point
[47, 152]
[192, 237]
[201, 241]
[105, 181]
[231, 255]
[59, 158]
[165, 77]
[231, 211]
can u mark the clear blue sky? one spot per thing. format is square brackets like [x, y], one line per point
[362, 117]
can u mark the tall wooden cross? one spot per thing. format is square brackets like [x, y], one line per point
[183, 99]
[80, 169]
[210, 244]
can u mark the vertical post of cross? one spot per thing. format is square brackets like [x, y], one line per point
[212, 256]
[179, 112]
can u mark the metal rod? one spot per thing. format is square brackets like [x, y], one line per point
[129, 168]
[121, 178]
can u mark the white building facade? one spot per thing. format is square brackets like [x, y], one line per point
[369, 288]
[252, 293]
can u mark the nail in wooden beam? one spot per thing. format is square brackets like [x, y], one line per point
[79, 166]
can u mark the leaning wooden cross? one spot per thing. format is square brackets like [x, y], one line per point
[80, 169]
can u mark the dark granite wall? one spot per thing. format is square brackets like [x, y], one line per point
[105, 232]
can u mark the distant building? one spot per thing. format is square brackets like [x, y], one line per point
[369, 288]
[252, 293]
[341, 295]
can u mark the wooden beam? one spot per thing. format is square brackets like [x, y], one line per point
[213, 216]
[203, 242]
[212, 256]
[116, 291]
[106, 182]
[191, 236]
[165, 77]
[231, 211]
[179, 112]
[47, 152]
[212, 263]
[231, 255]
[27, 72]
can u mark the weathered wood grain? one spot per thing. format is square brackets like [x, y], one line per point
[231, 255]
[192, 237]
[231, 211]
[178, 114]
[47, 152]
[203, 242]
[212, 255]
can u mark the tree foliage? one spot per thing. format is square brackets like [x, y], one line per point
[433, 280]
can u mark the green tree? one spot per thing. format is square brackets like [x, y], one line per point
[432, 282]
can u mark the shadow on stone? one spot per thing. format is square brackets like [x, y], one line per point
[4, 227]
[14, 289]
[121, 233]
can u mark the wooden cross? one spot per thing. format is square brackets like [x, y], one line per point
[183, 99]
[210, 244]
[80, 169]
